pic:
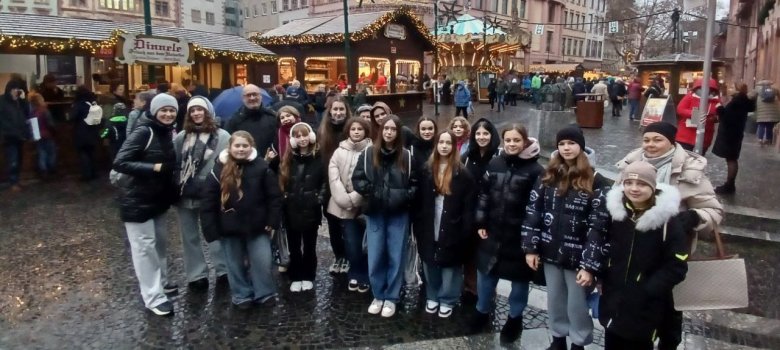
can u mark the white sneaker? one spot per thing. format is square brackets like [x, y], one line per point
[335, 267]
[388, 310]
[445, 311]
[295, 287]
[431, 307]
[307, 285]
[375, 307]
[353, 285]
[344, 266]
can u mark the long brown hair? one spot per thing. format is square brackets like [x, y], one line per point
[329, 138]
[397, 147]
[426, 119]
[442, 182]
[300, 129]
[209, 125]
[230, 178]
[559, 174]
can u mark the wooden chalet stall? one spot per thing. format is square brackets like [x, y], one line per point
[386, 56]
[84, 52]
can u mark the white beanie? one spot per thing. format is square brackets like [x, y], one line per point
[160, 101]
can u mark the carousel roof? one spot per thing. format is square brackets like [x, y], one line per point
[468, 24]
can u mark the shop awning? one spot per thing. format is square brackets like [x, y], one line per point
[60, 33]
[330, 29]
[555, 67]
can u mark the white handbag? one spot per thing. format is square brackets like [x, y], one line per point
[713, 283]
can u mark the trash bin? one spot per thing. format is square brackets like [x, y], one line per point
[590, 111]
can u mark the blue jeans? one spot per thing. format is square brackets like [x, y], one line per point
[486, 292]
[254, 282]
[13, 159]
[47, 155]
[764, 131]
[501, 102]
[536, 96]
[353, 242]
[634, 105]
[443, 284]
[386, 245]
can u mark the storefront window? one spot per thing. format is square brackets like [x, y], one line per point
[241, 74]
[328, 71]
[286, 69]
[374, 75]
[406, 75]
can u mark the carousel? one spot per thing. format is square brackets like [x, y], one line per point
[477, 50]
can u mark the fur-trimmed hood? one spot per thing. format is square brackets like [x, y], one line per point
[223, 156]
[667, 205]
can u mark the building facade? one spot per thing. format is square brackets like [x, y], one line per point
[216, 16]
[261, 16]
[164, 12]
[37, 7]
[751, 47]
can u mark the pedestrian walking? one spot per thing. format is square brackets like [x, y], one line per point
[686, 125]
[115, 131]
[635, 90]
[140, 110]
[536, 85]
[728, 143]
[492, 93]
[563, 227]
[148, 159]
[483, 147]
[602, 89]
[462, 130]
[86, 134]
[345, 202]
[647, 258]
[767, 110]
[302, 179]
[513, 92]
[197, 147]
[501, 90]
[700, 210]
[330, 135]
[45, 145]
[443, 221]
[499, 217]
[241, 208]
[385, 177]
[462, 99]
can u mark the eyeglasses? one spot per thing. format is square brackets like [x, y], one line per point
[252, 94]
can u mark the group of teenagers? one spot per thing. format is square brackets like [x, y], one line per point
[478, 202]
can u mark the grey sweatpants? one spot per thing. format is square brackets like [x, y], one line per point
[194, 261]
[148, 246]
[567, 306]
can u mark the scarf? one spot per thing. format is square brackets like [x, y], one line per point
[196, 148]
[283, 135]
[663, 164]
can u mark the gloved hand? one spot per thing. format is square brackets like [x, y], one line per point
[689, 219]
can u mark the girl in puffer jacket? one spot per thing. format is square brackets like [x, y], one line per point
[302, 181]
[503, 197]
[345, 202]
[442, 224]
[565, 216]
[648, 255]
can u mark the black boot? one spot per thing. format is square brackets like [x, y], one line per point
[512, 330]
[478, 322]
[727, 188]
[575, 347]
[558, 344]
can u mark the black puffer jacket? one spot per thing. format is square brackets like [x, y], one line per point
[474, 160]
[13, 115]
[456, 219]
[304, 192]
[385, 189]
[84, 135]
[559, 228]
[643, 265]
[260, 205]
[502, 200]
[260, 123]
[148, 193]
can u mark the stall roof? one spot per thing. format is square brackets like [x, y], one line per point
[330, 29]
[674, 58]
[66, 28]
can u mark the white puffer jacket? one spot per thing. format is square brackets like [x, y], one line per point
[344, 200]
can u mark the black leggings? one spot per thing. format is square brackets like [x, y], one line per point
[336, 235]
[613, 341]
[462, 109]
[303, 254]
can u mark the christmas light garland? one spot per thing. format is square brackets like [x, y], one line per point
[366, 32]
[92, 46]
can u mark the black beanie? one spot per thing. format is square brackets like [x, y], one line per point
[666, 129]
[572, 133]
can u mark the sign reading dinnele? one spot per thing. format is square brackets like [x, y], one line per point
[147, 49]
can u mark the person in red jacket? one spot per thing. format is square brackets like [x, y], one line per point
[686, 126]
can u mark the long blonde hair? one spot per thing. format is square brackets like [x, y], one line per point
[230, 178]
[559, 174]
[442, 182]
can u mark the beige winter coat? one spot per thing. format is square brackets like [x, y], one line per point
[344, 200]
[766, 111]
[695, 188]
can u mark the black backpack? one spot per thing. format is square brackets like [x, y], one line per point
[767, 93]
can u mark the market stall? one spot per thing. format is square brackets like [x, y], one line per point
[386, 56]
[80, 51]
[678, 71]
